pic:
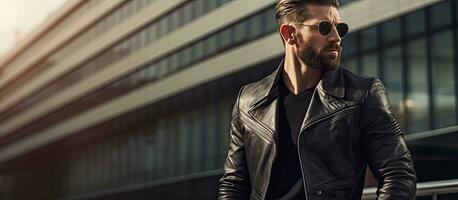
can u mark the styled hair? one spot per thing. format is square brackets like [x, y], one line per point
[295, 11]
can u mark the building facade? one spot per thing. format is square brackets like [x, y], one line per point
[132, 99]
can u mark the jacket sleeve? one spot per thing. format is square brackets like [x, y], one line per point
[385, 149]
[235, 182]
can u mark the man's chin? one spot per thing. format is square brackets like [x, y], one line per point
[331, 65]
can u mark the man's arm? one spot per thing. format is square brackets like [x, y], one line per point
[384, 147]
[235, 183]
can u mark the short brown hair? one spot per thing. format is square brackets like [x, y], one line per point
[294, 10]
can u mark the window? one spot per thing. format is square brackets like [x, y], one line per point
[115, 160]
[211, 4]
[138, 151]
[136, 41]
[224, 119]
[118, 16]
[151, 72]
[440, 15]
[124, 158]
[174, 62]
[153, 31]
[370, 65]
[349, 45]
[211, 143]
[129, 7]
[162, 67]
[221, 2]
[186, 53]
[255, 26]
[161, 159]
[171, 168]
[351, 64]
[343, 2]
[393, 80]
[270, 20]
[198, 50]
[150, 164]
[130, 157]
[442, 68]
[123, 12]
[369, 39]
[391, 31]
[240, 32]
[123, 47]
[129, 47]
[187, 12]
[196, 141]
[164, 26]
[143, 38]
[224, 38]
[417, 103]
[175, 20]
[182, 145]
[193, 6]
[102, 163]
[415, 23]
[199, 8]
[211, 45]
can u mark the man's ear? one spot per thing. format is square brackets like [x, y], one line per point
[288, 34]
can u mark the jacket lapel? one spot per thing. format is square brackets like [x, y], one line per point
[265, 108]
[326, 98]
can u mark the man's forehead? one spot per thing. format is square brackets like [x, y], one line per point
[322, 12]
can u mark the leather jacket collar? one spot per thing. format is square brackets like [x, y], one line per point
[326, 99]
[332, 83]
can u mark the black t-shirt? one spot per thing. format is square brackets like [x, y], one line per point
[286, 178]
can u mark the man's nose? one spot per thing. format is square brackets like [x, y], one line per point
[333, 36]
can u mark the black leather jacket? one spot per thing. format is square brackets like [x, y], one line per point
[348, 125]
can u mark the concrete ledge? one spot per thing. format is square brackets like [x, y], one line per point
[364, 13]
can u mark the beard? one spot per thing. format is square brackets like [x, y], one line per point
[318, 60]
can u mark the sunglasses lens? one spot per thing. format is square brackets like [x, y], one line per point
[342, 29]
[324, 28]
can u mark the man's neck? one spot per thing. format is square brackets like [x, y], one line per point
[298, 76]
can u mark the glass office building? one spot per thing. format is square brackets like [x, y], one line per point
[132, 99]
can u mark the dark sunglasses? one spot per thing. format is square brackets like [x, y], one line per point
[325, 28]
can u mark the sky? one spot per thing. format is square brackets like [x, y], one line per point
[18, 18]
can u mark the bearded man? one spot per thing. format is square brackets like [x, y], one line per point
[308, 130]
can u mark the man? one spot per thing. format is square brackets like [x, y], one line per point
[308, 130]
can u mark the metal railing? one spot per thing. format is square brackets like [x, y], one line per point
[431, 189]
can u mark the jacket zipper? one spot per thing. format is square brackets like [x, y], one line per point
[343, 111]
[268, 130]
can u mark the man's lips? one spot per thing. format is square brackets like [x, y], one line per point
[333, 51]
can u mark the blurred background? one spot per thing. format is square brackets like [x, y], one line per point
[132, 99]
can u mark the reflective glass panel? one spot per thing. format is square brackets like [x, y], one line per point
[392, 59]
[369, 65]
[417, 102]
[442, 67]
